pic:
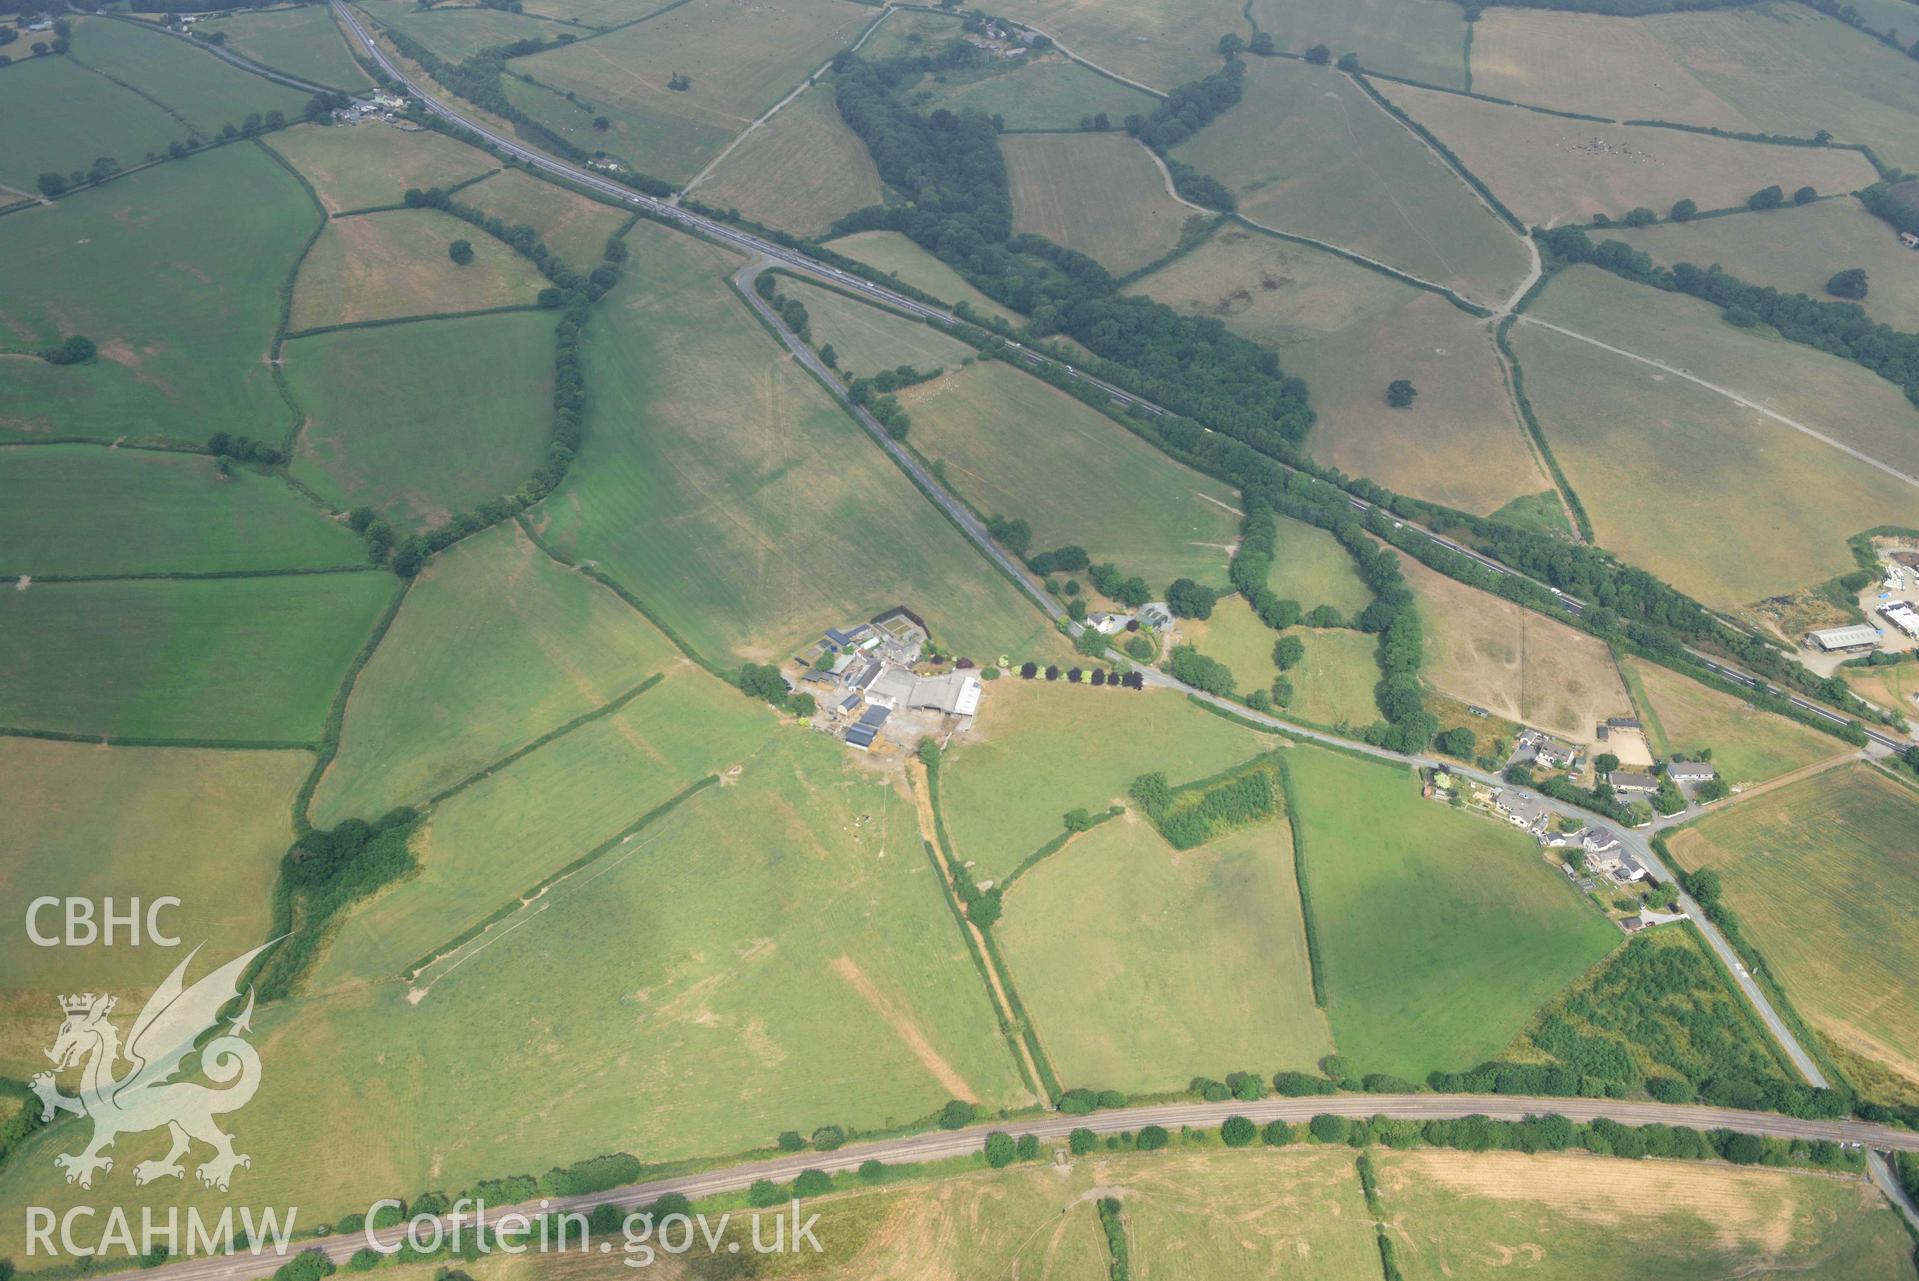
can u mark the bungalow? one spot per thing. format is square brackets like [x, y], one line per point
[1691, 771]
[1625, 780]
[1520, 809]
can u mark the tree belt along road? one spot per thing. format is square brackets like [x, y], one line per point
[941, 1144]
[779, 253]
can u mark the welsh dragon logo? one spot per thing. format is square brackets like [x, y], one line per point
[146, 1096]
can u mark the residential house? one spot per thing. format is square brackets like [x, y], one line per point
[1632, 781]
[1521, 809]
[1108, 624]
[1598, 840]
[1683, 772]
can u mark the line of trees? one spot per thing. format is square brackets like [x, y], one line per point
[1184, 112]
[1839, 328]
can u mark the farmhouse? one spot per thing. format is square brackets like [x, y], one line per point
[1902, 615]
[1108, 624]
[1625, 780]
[1834, 640]
[1691, 771]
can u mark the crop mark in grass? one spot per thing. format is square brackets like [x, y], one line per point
[905, 1028]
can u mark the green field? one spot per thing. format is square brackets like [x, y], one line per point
[235, 659]
[911, 31]
[358, 166]
[1748, 746]
[81, 509]
[1017, 447]
[720, 484]
[1045, 92]
[495, 646]
[1353, 176]
[868, 339]
[457, 32]
[1102, 194]
[380, 266]
[1350, 331]
[514, 828]
[1797, 250]
[1439, 932]
[1039, 749]
[1418, 39]
[205, 827]
[1332, 685]
[209, 239]
[741, 62]
[419, 421]
[1822, 875]
[1563, 1217]
[893, 253]
[1143, 967]
[195, 84]
[1549, 169]
[643, 981]
[304, 41]
[801, 171]
[1311, 567]
[573, 226]
[1722, 502]
[1161, 43]
[61, 116]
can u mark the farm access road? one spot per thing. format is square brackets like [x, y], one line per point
[758, 246]
[941, 1144]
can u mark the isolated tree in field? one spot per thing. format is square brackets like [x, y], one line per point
[829, 356]
[1400, 393]
[1850, 283]
[680, 82]
[52, 184]
[1349, 62]
[1684, 210]
[1287, 652]
[1804, 196]
[76, 350]
[602, 124]
[1319, 55]
[460, 251]
[1262, 43]
[1078, 820]
[1766, 198]
[1231, 45]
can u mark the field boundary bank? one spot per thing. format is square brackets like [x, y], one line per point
[1054, 846]
[424, 317]
[329, 744]
[287, 287]
[1534, 429]
[209, 744]
[452, 189]
[269, 67]
[186, 576]
[1440, 149]
[539, 889]
[593, 571]
[585, 718]
[1358, 259]
[1315, 964]
[228, 56]
[1021, 1040]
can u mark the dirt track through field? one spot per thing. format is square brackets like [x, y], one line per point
[904, 1028]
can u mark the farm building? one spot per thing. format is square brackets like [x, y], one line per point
[1156, 616]
[1625, 780]
[1902, 615]
[1909, 240]
[892, 687]
[1836, 639]
[867, 728]
[956, 694]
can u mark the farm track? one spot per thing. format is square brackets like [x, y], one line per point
[1729, 394]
